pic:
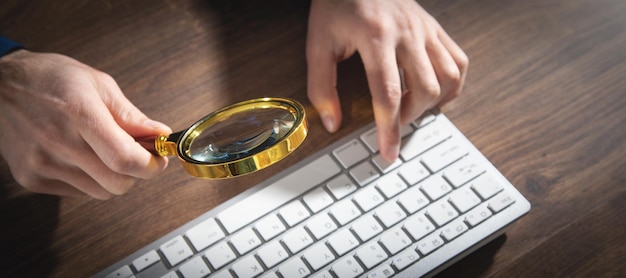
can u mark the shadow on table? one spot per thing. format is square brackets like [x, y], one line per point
[29, 221]
[476, 263]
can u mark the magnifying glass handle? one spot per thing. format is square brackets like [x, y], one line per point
[162, 145]
[148, 143]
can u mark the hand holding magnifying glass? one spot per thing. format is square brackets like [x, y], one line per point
[238, 139]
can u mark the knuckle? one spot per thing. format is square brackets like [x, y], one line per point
[32, 183]
[432, 90]
[391, 95]
[120, 186]
[377, 29]
[122, 161]
[104, 77]
[463, 61]
[103, 196]
[392, 92]
[452, 75]
[35, 187]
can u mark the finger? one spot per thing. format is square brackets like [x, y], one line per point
[385, 85]
[126, 114]
[58, 170]
[420, 79]
[116, 148]
[97, 179]
[90, 175]
[322, 83]
[52, 187]
[460, 59]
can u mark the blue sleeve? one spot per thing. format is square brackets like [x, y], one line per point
[7, 46]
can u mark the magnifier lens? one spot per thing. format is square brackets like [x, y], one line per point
[241, 135]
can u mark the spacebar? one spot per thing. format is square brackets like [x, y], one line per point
[275, 195]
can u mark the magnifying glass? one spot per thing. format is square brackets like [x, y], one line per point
[238, 139]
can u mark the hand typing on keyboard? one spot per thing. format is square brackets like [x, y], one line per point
[388, 35]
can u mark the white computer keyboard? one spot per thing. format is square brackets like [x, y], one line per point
[346, 212]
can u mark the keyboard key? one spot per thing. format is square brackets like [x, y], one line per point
[272, 253]
[245, 240]
[429, 244]
[317, 200]
[390, 185]
[368, 198]
[389, 214]
[425, 119]
[351, 153]
[171, 274]
[247, 267]
[435, 187]
[453, 229]
[297, 239]
[319, 256]
[293, 213]
[500, 202]
[385, 166]
[323, 274]
[477, 215]
[269, 227]
[423, 139]
[194, 268]
[146, 260]
[371, 254]
[342, 242]
[441, 212]
[226, 274]
[269, 198]
[395, 240]
[294, 268]
[347, 267]
[405, 259]
[413, 200]
[371, 138]
[366, 227]
[418, 226]
[486, 186]
[464, 199]
[204, 234]
[122, 272]
[382, 271]
[444, 154]
[341, 186]
[364, 173]
[269, 275]
[413, 172]
[176, 250]
[344, 212]
[463, 171]
[219, 255]
[321, 225]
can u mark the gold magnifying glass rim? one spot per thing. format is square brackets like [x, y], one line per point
[249, 164]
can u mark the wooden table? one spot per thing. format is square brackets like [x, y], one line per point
[545, 101]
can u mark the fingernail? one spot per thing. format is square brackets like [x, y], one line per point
[392, 153]
[155, 125]
[328, 121]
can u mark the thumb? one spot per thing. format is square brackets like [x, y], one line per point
[131, 119]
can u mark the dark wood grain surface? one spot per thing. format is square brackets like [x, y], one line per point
[545, 101]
